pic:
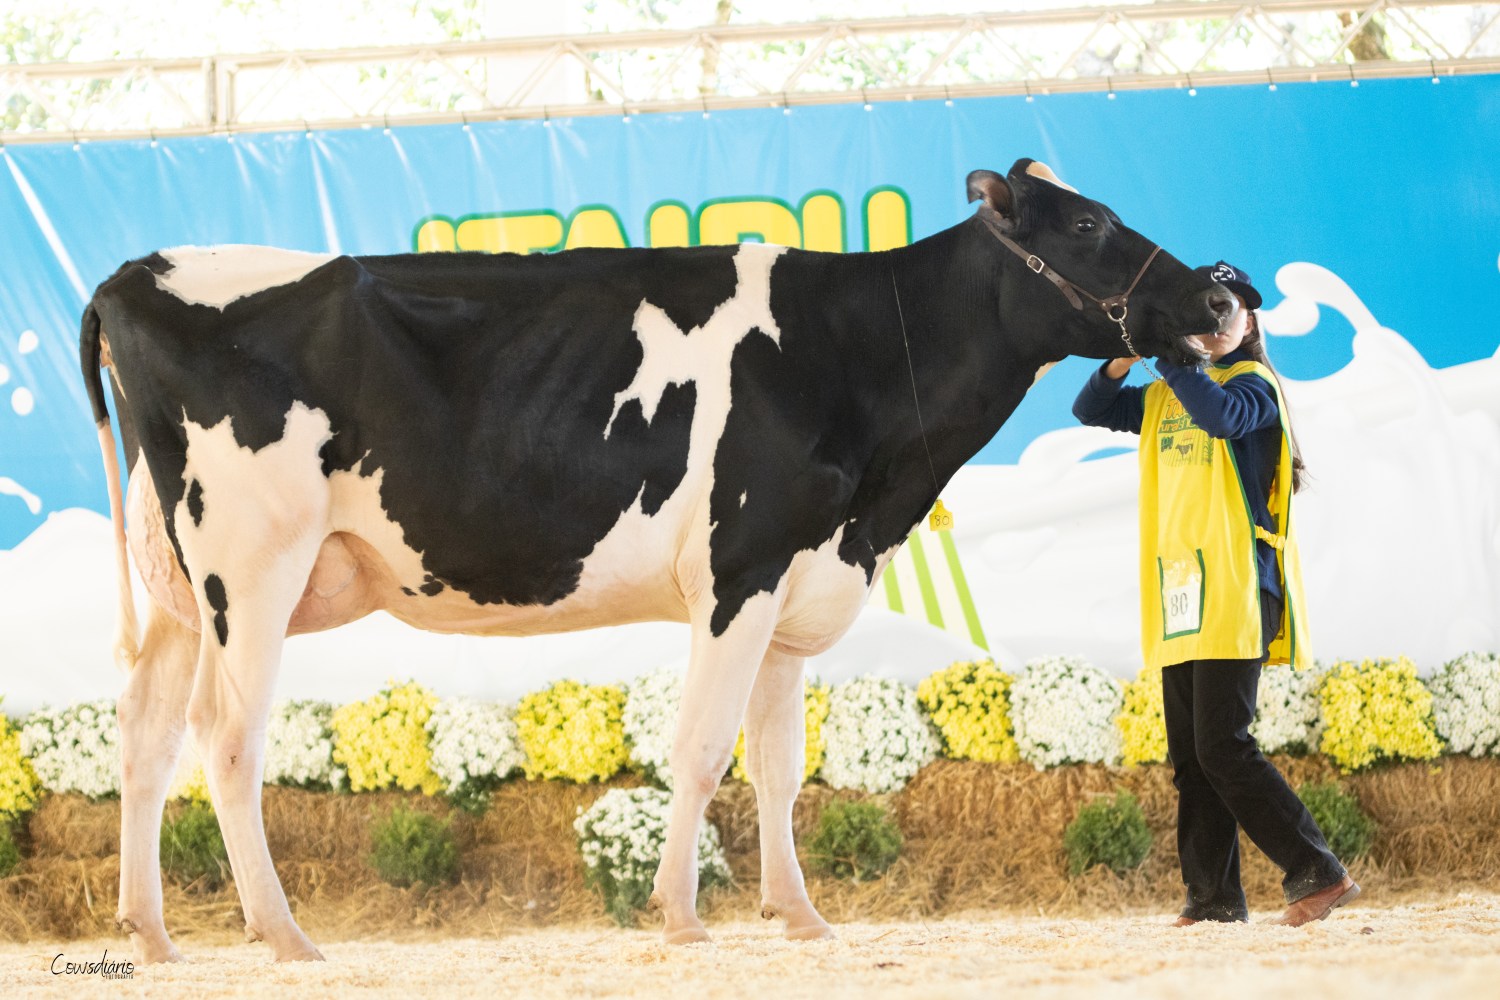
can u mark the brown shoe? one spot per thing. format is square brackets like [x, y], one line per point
[1318, 905]
[1184, 922]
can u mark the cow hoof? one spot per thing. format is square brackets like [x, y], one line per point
[802, 922]
[155, 953]
[290, 945]
[299, 951]
[686, 935]
[819, 931]
[147, 947]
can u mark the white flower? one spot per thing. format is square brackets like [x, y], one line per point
[1466, 704]
[75, 749]
[621, 836]
[650, 722]
[1064, 712]
[1287, 712]
[473, 740]
[876, 736]
[299, 745]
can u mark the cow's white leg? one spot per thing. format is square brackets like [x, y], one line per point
[775, 738]
[721, 672]
[153, 718]
[230, 704]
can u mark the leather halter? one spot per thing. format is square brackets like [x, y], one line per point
[1070, 291]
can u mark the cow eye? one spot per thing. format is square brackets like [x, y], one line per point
[1085, 225]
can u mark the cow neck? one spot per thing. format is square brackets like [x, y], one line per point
[915, 396]
[956, 346]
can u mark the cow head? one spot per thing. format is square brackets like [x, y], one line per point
[1035, 216]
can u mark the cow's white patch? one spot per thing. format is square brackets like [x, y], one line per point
[1044, 172]
[154, 558]
[613, 573]
[673, 356]
[257, 506]
[824, 596]
[217, 276]
[357, 509]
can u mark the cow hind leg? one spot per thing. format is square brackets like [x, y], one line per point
[152, 714]
[721, 671]
[245, 612]
[775, 739]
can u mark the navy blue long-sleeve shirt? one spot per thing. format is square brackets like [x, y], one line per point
[1243, 410]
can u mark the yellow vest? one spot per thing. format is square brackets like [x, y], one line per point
[1200, 595]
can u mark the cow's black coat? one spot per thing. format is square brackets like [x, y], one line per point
[218, 600]
[481, 386]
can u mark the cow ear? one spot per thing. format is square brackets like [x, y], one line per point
[992, 189]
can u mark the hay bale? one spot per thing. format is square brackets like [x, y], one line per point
[979, 838]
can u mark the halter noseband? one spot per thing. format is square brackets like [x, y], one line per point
[1071, 291]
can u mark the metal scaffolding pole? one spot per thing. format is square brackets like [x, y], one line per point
[1110, 48]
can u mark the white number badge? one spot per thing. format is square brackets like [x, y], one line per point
[1182, 595]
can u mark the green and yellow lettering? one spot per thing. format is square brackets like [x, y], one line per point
[595, 226]
[511, 232]
[667, 225]
[823, 222]
[887, 219]
[745, 220]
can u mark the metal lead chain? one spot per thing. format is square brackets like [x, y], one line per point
[1125, 336]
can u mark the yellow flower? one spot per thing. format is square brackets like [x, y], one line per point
[193, 787]
[382, 742]
[1376, 710]
[815, 711]
[19, 788]
[574, 731]
[969, 702]
[1142, 725]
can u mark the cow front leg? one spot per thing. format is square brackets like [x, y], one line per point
[152, 714]
[721, 672]
[245, 618]
[775, 740]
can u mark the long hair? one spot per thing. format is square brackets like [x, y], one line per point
[1255, 344]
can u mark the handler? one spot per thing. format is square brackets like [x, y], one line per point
[1221, 594]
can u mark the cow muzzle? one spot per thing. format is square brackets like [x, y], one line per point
[1222, 304]
[1207, 312]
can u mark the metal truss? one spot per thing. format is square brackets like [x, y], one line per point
[1179, 43]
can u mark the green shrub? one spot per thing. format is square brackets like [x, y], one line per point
[10, 851]
[192, 848]
[1110, 832]
[1348, 829]
[855, 840]
[474, 794]
[413, 847]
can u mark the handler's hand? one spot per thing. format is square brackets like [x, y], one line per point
[1119, 366]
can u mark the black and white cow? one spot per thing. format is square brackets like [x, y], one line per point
[510, 445]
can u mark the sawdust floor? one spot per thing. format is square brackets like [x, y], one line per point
[1441, 948]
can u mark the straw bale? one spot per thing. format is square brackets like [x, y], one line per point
[979, 839]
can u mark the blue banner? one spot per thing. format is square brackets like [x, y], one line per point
[1393, 186]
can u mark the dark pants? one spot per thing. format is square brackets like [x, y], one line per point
[1224, 784]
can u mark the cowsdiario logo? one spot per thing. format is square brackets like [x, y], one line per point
[104, 968]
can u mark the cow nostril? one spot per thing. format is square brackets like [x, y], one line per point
[1222, 303]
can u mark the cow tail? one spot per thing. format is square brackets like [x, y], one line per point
[127, 629]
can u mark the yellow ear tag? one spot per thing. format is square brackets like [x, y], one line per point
[941, 519]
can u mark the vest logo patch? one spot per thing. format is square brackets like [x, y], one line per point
[1181, 442]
